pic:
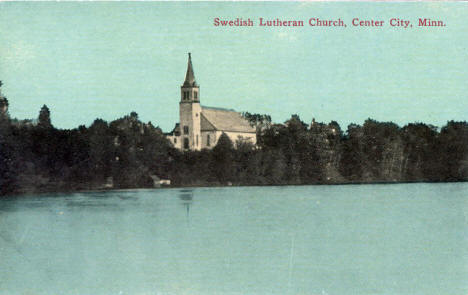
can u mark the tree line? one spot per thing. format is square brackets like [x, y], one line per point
[35, 156]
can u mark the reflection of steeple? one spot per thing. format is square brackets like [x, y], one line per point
[186, 196]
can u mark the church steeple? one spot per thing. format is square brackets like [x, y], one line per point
[190, 76]
[190, 88]
[190, 111]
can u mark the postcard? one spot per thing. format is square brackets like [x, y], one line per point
[233, 148]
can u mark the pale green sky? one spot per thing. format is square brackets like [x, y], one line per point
[100, 59]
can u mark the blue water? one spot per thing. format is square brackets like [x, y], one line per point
[353, 239]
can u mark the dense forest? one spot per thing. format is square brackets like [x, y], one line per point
[36, 157]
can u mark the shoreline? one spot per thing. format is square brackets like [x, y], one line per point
[71, 191]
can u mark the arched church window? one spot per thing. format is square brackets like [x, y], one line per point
[186, 143]
[186, 130]
[195, 95]
[208, 140]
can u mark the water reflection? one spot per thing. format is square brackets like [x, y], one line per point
[237, 240]
[186, 198]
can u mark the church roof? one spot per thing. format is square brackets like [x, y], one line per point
[190, 76]
[223, 120]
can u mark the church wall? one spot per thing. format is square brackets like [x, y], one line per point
[234, 136]
[196, 129]
[213, 139]
[175, 140]
[190, 117]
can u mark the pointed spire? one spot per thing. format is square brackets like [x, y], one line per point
[190, 76]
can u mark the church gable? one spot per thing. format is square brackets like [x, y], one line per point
[205, 124]
[224, 120]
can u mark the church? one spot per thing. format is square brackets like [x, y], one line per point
[200, 127]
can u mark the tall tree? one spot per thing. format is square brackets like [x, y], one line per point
[454, 147]
[44, 117]
[222, 159]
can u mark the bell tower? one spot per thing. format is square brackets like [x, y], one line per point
[189, 110]
[190, 89]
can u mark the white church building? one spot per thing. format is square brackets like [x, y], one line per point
[200, 126]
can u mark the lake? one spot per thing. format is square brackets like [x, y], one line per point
[343, 239]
